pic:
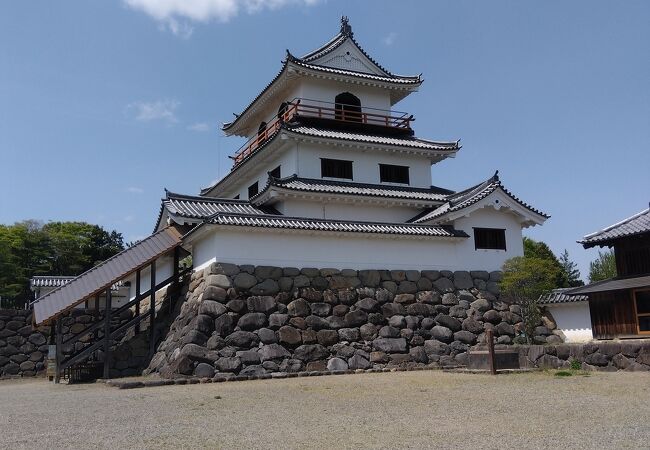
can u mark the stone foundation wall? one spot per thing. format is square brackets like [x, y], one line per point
[250, 320]
[629, 355]
[23, 349]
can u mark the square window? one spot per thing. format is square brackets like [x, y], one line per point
[389, 173]
[275, 173]
[490, 238]
[336, 168]
[253, 189]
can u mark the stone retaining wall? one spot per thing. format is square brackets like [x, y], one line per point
[250, 320]
[629, 355]
[23, 349]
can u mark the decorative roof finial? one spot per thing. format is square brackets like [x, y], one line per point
[346, 28]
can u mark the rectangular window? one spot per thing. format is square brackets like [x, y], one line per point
[275, 173]
[642, 304]
[389, 173]
[253, 189]
[489, 238]
[336, 168]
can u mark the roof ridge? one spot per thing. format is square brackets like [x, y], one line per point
[363, 185]
[313, 219]
[617, 224]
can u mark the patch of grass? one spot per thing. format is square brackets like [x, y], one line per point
[563, 373]
[575, 364]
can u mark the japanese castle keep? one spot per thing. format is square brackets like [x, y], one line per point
[324, 248]
[331, 176]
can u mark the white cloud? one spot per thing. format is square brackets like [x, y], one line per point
[390, 38]
[149, 111]
[200, 126]
[176, 15]
[134, 190]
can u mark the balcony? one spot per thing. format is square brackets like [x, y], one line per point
[331, 116]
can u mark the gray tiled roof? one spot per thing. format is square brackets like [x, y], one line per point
[637, 224]
[560, 296]
[100, 277]
[613, 284]
[353, 73]
[433, 194]
[197, 208]
[423, 144]
[468, 197]
[201, 207]
[341, 226]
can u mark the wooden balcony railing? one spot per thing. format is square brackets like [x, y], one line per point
[352, 114]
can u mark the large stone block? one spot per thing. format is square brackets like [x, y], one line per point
[356, 318]
[390, 345]
[299, 308]
[212, 308]
[264, 304]
[252, 321]
[312, 352]
[289, 335]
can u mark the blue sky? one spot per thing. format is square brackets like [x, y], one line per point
[104, 104]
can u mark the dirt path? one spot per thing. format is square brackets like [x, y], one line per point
[387, 410]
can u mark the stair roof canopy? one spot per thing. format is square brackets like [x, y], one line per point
[342, 59]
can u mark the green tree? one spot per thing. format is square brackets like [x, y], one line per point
[570, 272]
[603, 267]
[58, 248]
[524, 280]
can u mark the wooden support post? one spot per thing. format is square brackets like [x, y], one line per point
[107, 333]
[152, 308]
[489, 337]
[59, 350]
[137, 305]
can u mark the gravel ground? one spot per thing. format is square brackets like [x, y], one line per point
[388, 410]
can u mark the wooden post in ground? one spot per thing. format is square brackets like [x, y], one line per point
[489, 337]
[152, 308]
[59, 350]
[137, 304]
[107, 333]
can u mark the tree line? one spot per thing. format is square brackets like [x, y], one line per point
[32, 248]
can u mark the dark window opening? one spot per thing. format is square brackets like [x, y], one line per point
[642, 299]
[336, 168]
[275, 173]
[253, 189]
[261, 131]
[490, 238]
[236, 197]
[393, 174]
[348, 107]
[282, 110]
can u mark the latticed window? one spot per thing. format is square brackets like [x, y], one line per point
[490, 238]
[389, 173]
[336, 168]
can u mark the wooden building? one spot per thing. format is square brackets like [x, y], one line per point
[620, 307]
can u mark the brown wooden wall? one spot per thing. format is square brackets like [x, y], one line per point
[612, 314]
[633, 255]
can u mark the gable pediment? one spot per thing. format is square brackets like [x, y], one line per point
[347, 56]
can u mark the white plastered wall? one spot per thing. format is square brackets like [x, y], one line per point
[164, 270]
[239, 245]
[488, 217]
[318, 209]
[573, 319]
[365, 163]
